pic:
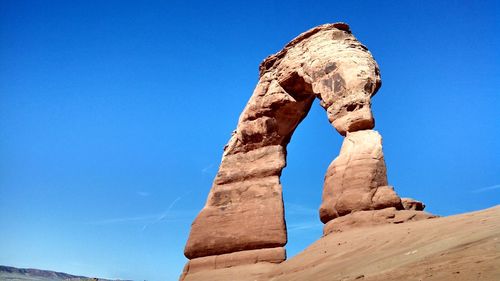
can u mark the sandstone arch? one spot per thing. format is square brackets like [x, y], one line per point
[243, 218]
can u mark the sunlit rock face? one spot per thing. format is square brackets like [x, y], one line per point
[356, 180]
[244, 211]
[412, 204]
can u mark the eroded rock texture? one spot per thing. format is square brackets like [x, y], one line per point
[389, 215]
[356, 180]
[412, 204]
[243, 218]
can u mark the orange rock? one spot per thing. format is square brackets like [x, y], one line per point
[356, 180]
[244, 210]
[374, 217]
[269, 255]
[412, 204]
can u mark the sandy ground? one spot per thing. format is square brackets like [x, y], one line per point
[461, 247]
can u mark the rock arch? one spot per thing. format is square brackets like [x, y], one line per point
[243, 218]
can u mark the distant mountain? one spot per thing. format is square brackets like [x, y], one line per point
[9, 273]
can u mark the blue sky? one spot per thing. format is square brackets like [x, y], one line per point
[113, 116]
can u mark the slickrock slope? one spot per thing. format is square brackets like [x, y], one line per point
[459, 248]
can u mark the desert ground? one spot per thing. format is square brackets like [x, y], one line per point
[460, 247]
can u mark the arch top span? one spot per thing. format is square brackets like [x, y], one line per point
[326, 62]
[244, 210]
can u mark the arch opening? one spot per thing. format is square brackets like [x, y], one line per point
[313, 146]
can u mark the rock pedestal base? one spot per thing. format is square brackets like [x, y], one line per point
[356, 180]
[269, 255]
[372, 218]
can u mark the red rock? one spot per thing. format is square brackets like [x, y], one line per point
[429, 249]
[269, 255]
[242, 223]
[356, 180]
[239, 216]
[412, 204]
[372, 218]
[244, 210]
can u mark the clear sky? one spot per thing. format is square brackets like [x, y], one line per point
[113, 116]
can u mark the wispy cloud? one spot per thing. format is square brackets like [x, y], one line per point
[147, 219]
[306, 216]
[163, 215]
[304, 226]
[131, 219]
[143, 193]
[297, 209]
[150, 219]
[207, 168]
[487, 188]
[167, 212]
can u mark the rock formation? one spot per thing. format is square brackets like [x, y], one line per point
[243, 218]
[356, 180]
[460, 248]
[412, 204]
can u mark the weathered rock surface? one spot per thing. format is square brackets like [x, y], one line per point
[372, 218]
[356, 180]
[412, 204]
[269, 255]
[244, 210]
[239, 216]
[460, 248]
[242, 222]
